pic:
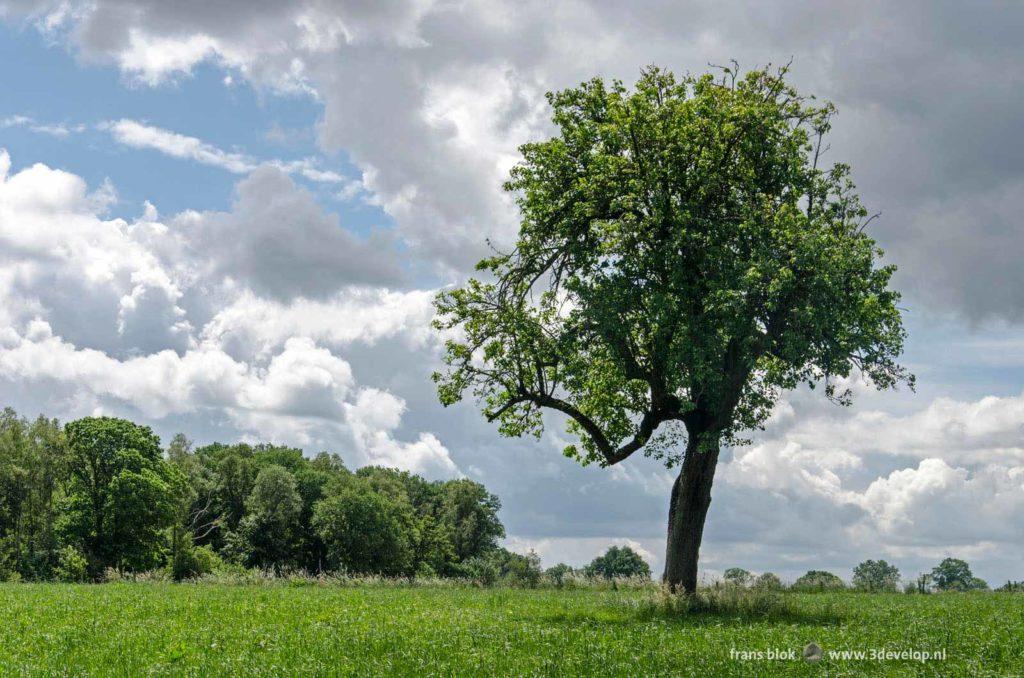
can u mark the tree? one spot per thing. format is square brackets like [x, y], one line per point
[738, 576]
[558, 573]
[269, 529]
[619, 561]
[471, 514]
[818, 580]
[681, 260]
[122, 494]
[33, 473]
[953, 574]
[876, 575]
[363, 532]
[768, 581]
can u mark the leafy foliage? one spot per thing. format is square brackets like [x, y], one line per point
[619, 561]
[99, 496]
[768, 581]
[818, 580]
[681, 259]
[738, 576]
[364, 533]
[121, 494]
[953, 574]
[876, 576]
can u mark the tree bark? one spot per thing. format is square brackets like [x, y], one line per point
[688, 508]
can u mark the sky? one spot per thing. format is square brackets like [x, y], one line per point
[230, 219]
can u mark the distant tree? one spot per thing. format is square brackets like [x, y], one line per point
[1012, 587]
[619, 561]
[738, 576]
[682, 259]
[923, 584]
[768, 581]
[179, 448]
[269, 530]
[558, 573]
[471, 514]
[236, 475]
[33, 477]
[364, 532]
[876, 576]
[501, 565]
[818, 580]
[953, 574]
[196, 517]
[122, 494]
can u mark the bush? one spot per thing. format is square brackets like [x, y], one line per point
[522, 570]
[71, 565]
[194, 561]
[483, 570]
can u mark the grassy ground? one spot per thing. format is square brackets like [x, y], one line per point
[207, 630]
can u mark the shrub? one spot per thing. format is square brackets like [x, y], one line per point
[483, 570]
[71, 565]
[194, 561]
[768, 581]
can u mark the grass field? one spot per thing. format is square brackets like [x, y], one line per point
[206, 630]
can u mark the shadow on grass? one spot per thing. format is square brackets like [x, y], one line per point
[721, 607]
[732, 604]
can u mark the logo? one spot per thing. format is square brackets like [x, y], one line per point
[812, 653]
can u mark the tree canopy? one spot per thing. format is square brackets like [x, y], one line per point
[101, 493]
[953, 574]
[876, 575]
[681, 258]
[619, 561]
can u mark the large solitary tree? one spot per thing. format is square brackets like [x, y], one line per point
[683, 257]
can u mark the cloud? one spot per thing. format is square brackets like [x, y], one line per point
[256, 325]
[431, 101]
[60, 253]
[142, 136]
[279, 242]
[128, 291]
[147, 284]
[59, 130]
[138, 135]
[304, 395]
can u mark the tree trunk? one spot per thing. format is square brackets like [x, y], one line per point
[691, 497]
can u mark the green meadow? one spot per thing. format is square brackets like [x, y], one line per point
[279, 629]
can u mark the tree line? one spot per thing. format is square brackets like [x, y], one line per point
[872, 576]
[100, 493]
